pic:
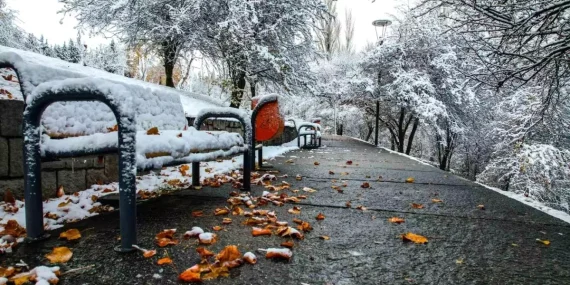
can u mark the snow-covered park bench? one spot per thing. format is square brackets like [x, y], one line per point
[68, 111]
[311, 130]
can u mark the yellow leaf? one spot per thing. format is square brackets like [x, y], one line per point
[165, 260]
[459, 261]
[320, 217]
[324, 237]
[545, 242]
[316, 163]
[436, 200]
[59, 255]
[152, 131]
[414, 238]
[396, 220]
[417, 206]
[410, 180]
[71, 234]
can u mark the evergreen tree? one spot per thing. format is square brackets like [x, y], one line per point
[74, 54]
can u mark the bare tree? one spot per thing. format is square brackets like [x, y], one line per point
[328, 30]
[348, 30]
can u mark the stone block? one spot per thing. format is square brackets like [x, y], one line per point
[16, 157]
[72, 181]
[4, 158]
[11, 116]
[53, 165]
[16, 186]
[112, 167]
[78, 163]
[96, 176]
[49, 184]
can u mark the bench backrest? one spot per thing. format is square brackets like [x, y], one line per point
[269, 123]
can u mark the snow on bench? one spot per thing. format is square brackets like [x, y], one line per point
[154, 105]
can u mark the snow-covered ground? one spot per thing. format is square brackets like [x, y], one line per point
[84, 204]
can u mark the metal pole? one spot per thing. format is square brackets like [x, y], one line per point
[377, 119]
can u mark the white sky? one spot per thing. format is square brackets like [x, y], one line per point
[40, 17]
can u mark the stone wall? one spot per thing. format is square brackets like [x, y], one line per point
[74, 174]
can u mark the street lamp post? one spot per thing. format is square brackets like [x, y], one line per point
[381, 25]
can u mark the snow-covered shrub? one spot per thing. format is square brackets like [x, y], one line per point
[540, 171]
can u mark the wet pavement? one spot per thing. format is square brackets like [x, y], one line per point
[466, 245]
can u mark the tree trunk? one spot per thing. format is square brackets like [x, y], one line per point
[412, 134]
[252, 86]
[169, 49]
[238, 88]
[401, 131]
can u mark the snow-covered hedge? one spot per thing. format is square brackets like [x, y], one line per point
[540, 171]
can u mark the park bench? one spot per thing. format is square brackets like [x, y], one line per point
[311, 130]
[47, 82]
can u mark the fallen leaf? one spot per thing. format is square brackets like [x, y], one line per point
[59, 255]
[290, 232]
[221, 211]
[297, 221]
[310, 190]
[13, 228]
[331, 172]
[279, 253]
[204, 253]
[362, 208]
[410, 180]
[481, 207]
[436, 201]
[149, 253]
[305, 227]
[396, 220]
[179, 135]
[298, 177]
[459, 261]
[197, 214]
[153, 131]
[414, 238]
[295, 210]
[195, 232]
[7, 272]
[365, 185]
[320, 217]
[288, 244]
[349, 162]
[190, 276]
[217, 228]
[250, 258]
[164, 260]
[226, 221]
[229, 253]
[260, 232]
[71, 234]
[9, 197]
[324, 237]
[417, 206]
[348, 204]
[316, 163]
[545, 242]
[166, 238]
[289, 161]
[237, 211]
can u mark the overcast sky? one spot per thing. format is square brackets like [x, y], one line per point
[40, 18]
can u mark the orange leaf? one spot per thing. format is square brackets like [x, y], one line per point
[288, 244]
[149, 253]
[410, 180]
[348, 204]
[204, 253]
[260, 232]
[190, 276]
[325, 237]
[217, 228]
[295, 211]
[153, 131]
[9, 198]
[169, 233]
[297, 221]
[59, 193]
[320, 217]
[166, 242]
[164, 260]
[414, 238]
[237, 211]
[13, 228]
[226, 221]
[305, 226]
[71, 234]
[417, 206]
[436, 201]
[396, 220]
[59, 255]
[316, 163]
[221, 211]
[250, 258]
[115, 128]
[229, 253]
[365, 185]
[279, 253]
[196, 214]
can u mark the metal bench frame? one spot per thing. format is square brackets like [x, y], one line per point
[315, 142]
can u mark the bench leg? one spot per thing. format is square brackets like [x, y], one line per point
[247, 165]
[260, 157]
[195, 174]
[32, 188]
[127, 190]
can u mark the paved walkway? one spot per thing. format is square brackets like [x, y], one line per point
[466, 245]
